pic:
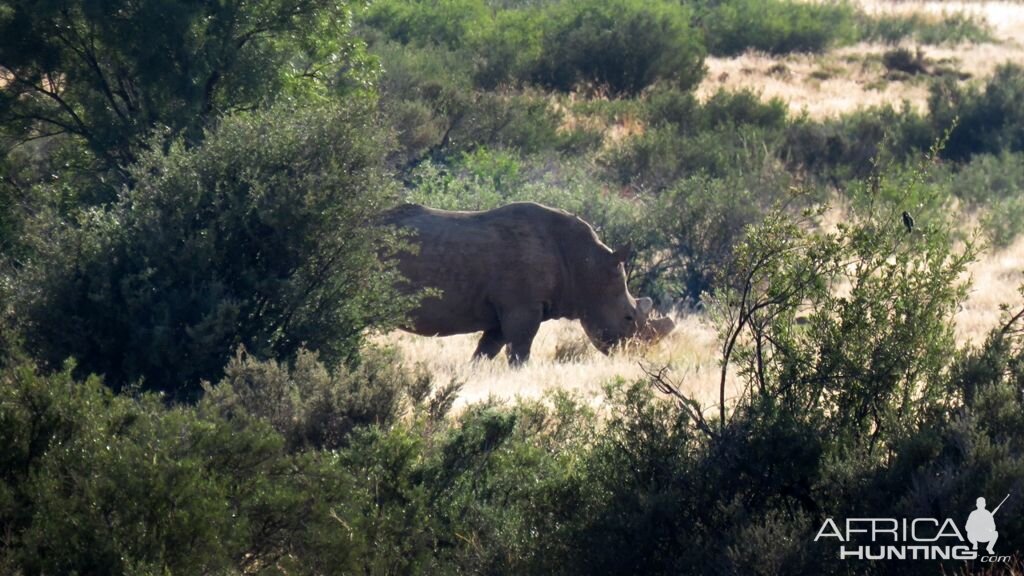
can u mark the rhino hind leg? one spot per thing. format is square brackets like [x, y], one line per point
[490, 344]
[519, 326]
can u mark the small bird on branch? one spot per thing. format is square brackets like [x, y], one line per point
[908, 221]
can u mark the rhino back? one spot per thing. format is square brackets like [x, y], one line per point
[484, 262]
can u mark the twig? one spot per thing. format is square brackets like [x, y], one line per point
[689, 405]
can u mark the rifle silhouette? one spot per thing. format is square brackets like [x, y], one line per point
[996, 509]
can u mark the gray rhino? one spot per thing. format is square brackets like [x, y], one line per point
[504, 271]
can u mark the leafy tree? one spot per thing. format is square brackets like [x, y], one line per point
[869, 357]
[111, 72]
[260, 237]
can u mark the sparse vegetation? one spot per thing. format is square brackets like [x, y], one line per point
[954, 28]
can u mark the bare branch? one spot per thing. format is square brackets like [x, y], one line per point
[692, 408]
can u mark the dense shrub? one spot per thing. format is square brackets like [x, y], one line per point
[776, 26]
[96, 480]
[261, 238]
[724, 108]
[424, 92]
[507, 52]
[521, 120]
[994, 185]
[104, 483]
[622, 46]
[656, 159]
[698, 222]
[989, 120]
[447, 22]
[429, 100]
[849, 147]
[729, 134]
[309, 404]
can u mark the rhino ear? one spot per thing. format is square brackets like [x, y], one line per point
[623, 254]
[644, 305]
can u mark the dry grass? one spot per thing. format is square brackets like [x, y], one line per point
[840, 81]
[821, 85]
[1005, 18]
[995, 279]
[690, 350]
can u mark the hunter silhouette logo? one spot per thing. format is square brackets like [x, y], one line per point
[916, 538]
[981, 525]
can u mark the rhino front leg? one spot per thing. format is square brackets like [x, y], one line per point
[519, 326]
[490, 344]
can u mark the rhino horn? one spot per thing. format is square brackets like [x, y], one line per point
[623, 254]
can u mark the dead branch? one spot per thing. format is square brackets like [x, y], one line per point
[692, 408]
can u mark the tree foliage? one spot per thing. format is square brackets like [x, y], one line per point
[262, 237]
[110, 73]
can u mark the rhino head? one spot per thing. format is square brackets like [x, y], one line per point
[611, 315]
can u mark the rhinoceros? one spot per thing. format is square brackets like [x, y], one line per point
[504, 271]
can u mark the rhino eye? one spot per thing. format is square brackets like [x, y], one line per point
[629, 317]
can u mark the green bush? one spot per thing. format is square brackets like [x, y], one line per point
[429, 100]
[507, 51]
[851, 146]
[724, 108]
[659, 157]
[424, 91]
[424, 22]
[310, 405]
[95, 482]
[994, 186]
[730, 134]
[523, 120]
[622, 46]
[698, 222]
[776, 26]
[262, 237]
[989, 120]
